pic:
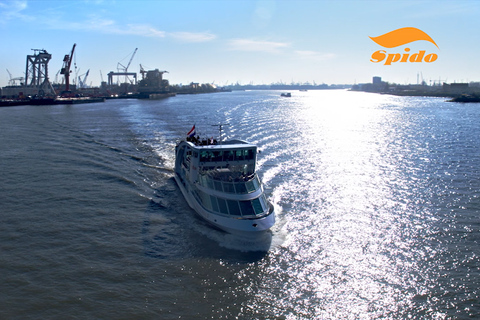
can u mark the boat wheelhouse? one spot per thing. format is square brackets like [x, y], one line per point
[219, 181]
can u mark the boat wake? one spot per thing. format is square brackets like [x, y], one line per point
[162, 169]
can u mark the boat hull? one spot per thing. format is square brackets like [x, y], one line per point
[231, 224]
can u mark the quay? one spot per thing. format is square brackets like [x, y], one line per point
[36, 89]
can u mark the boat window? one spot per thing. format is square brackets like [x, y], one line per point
[246, 207]
[264, 202]
[249, 154]
[249, 185]
[234, 208]
[203, 156]
[256, 183]
[228, 187]
[228, 155]
[205, 200]
[210, 184]
[222, 205]
[239, 154]
[225, 155]
[218, 185]
[217, 155]
[257, 206]
[214, 203]
[241, 188]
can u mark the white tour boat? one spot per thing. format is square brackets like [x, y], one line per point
[220, 183]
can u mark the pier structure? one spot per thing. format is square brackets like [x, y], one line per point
[111, 74]
[36, 74]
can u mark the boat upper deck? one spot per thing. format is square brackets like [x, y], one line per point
[213, 144]
[236, 155]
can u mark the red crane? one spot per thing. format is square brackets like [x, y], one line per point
[67, 62]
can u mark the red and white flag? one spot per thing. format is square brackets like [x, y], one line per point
[191, 133]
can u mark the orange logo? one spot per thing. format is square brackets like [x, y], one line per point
[400, 37]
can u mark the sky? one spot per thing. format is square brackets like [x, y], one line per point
[258, 42]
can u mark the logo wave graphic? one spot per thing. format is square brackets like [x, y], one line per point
[402, 36]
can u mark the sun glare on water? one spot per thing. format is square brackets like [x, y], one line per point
[345, 224]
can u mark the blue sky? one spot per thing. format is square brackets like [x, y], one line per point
[246, 41]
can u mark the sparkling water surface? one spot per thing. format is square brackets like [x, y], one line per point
[377, 203]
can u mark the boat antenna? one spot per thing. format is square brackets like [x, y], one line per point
[220, 128]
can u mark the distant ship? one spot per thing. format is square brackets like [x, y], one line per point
[286, 94]
[466, 98]
[219, 181]
[153, 86]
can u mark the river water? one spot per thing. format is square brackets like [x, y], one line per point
[377, 197]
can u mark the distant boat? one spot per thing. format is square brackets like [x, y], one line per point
[466, 98]
[286, 94]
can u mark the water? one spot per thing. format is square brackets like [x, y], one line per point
[377, 210]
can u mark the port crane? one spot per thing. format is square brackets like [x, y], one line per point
[11, 82]
[123, 71]
[142, 71]
[83, 83]
[67, 62]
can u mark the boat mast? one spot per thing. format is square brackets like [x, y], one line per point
[220, 128]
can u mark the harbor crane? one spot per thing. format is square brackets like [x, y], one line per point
[83, 83]
[67, 62]
[12, 80]
[123, 71]
[142, 71]
[121, 67]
